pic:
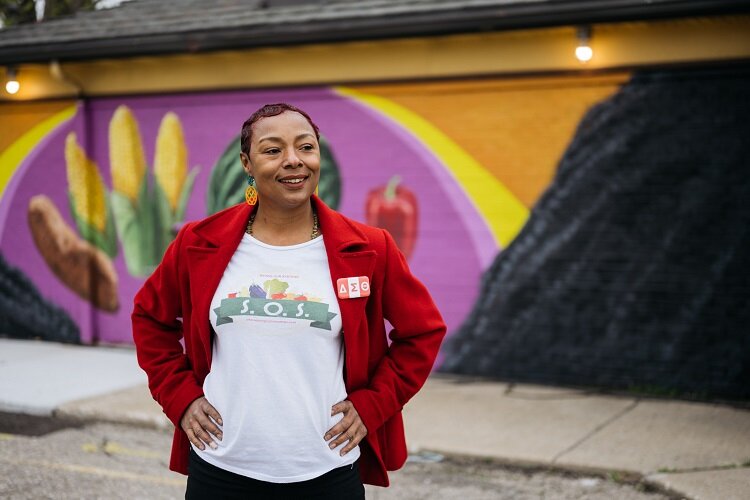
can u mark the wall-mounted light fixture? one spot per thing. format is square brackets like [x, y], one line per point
[584, 53]
[12, 85]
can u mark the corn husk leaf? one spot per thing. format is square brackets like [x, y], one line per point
[187, 189]
[228, 180]
[163, 221]
[105, 240]
[135, 228]
[329, 185]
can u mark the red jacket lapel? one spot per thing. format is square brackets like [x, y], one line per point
[220, 236]
[349, 255]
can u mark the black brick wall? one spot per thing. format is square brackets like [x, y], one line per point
[633, 271]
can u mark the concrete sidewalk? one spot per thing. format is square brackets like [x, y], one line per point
[698, 450]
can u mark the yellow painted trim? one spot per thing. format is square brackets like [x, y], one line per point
[617, 45]
[503, 213]
[11, 158]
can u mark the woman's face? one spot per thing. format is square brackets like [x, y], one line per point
[284, 159]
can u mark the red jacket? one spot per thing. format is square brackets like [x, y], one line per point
[379, 378]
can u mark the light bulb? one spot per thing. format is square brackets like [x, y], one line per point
[12, 86]
[584, 53]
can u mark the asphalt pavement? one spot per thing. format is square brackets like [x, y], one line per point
[695, 450]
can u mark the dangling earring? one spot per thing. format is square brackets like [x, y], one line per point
[251, 194]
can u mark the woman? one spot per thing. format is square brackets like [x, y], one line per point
[287, 384]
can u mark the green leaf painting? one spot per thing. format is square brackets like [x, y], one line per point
[104, 240]
[136, 230]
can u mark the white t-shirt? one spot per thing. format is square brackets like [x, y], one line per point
[277, 363]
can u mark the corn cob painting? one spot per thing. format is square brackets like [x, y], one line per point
[127, 162]
[131, 203]
[147, 208]
[89, 201]
[173, 181]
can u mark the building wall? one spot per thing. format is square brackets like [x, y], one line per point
[478, 158]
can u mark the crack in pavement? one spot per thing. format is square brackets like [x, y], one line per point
[597, 429]
[707, 468]
[512, 392]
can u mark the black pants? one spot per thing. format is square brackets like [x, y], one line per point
[206, 481]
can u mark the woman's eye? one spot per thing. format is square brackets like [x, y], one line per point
[272, 151]
[307, 147]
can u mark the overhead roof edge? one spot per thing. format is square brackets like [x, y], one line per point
[418, 24]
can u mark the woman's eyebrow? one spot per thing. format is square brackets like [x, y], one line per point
[269, 138]
[278, 139]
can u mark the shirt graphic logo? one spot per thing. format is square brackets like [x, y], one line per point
[273, 301]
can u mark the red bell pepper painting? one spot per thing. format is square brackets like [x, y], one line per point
[394, 208]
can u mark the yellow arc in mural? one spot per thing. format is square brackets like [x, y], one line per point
[503, 213]
[12, 157]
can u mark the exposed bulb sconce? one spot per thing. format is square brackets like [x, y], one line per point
[584, 53]
[12, 86]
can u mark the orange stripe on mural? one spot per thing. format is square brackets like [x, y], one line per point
[12, 157]
[516, 128]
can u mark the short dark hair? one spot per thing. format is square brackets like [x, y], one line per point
[265, 112]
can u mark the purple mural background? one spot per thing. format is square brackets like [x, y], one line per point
[368, 149]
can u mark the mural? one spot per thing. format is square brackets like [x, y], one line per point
[536, 210]
[94, 191]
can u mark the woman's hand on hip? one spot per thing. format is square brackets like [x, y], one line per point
[350, 428]
[200, 423]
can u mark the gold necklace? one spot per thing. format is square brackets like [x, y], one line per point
[315, 229]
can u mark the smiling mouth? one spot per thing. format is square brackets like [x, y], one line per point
[293, 180]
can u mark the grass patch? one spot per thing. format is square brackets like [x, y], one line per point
[615, 477]
[666, 470]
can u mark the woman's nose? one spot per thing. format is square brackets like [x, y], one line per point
[292, 160]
